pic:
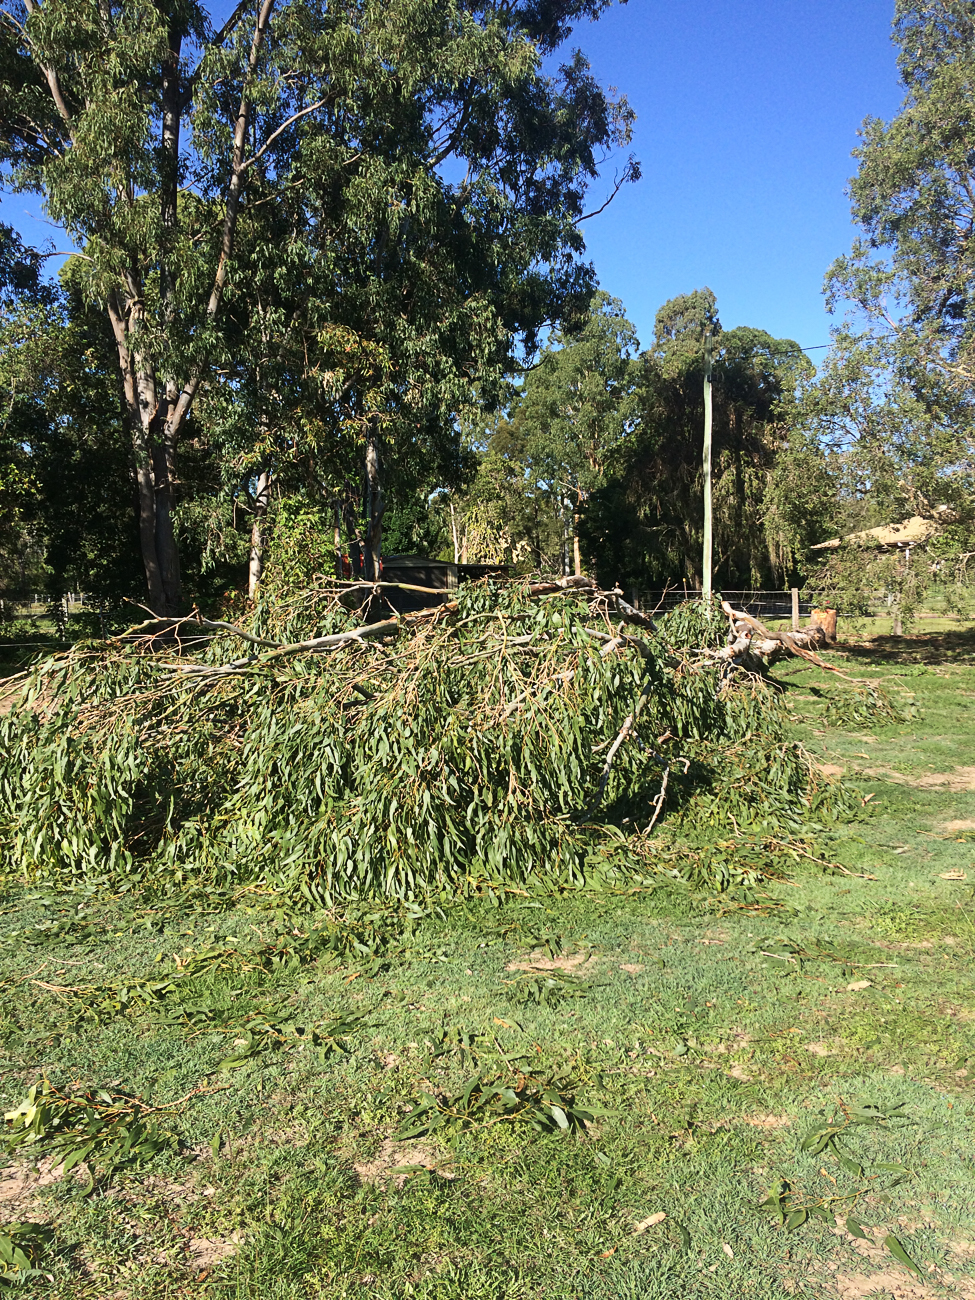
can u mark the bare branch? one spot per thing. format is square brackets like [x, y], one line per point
[295, 117]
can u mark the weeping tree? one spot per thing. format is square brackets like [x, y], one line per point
[244, 198]
[644, 524]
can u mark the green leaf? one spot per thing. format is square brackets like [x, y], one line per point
[850, 1165]
[901, 1255]
[855, 1229]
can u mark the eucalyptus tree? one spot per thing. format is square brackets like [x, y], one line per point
[576, 405]
[380, 199]
[896, 400]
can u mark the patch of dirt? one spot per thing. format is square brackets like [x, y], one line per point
[896, 1284]
[19, 1185]
[767, 1121]
[962, 825]
[632, 968]
[538, 960]
[960, 779]
[830, 769]
[819, 1049]
[394, 1155]
[203, 1252]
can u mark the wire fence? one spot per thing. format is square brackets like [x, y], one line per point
[56, 616]
[762, 605]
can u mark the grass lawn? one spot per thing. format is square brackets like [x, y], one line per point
[594, 1093]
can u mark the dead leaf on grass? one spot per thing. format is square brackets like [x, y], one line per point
[651, 1222]
[953, 875]
[767, 1121]
[859, 985]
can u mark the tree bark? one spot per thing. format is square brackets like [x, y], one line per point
[255, 563]
[374, 505]
[453, 532]
[337, 538]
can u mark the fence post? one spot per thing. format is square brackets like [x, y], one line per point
[795, 609]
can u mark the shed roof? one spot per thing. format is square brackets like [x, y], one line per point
[911, 532]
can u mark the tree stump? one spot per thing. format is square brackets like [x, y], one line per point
[826, 619]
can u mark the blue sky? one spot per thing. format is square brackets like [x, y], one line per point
[747, 113]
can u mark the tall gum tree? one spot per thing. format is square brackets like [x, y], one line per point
[895, 402]
[403, 170]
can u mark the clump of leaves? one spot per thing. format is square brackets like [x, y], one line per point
[361, 942]
[545, 988]
[108, 1131]
[261, 1035]
[860, 704]
[504, 738]
[833, 1137]
[22, 1245]
[546, 1103]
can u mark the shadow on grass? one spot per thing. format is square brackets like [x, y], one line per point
[954, 647]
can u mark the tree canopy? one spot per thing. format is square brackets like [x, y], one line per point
[376, 205]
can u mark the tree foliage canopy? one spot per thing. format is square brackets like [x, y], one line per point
[371, 204]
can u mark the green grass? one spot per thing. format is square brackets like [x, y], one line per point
[706, 1036]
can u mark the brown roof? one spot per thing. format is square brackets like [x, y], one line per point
[911, 532]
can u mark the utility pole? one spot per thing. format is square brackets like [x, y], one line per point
[706, 565]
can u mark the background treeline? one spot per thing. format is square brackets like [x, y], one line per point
[362, 322]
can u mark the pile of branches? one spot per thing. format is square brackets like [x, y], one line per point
[542, 732]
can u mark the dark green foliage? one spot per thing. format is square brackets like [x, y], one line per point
[545, 1103]
[643, 523]
[467, 751]
[21, 1247]
[106, 1131]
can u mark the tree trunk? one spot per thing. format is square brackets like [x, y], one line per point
[337, 541]
[356, 547]
[453, 533]
[167, 551]
[576, 553]
[374, 505]
[147, 518]
[255, 563]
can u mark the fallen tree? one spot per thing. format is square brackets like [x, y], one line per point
[753, 646]
[538, 732]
